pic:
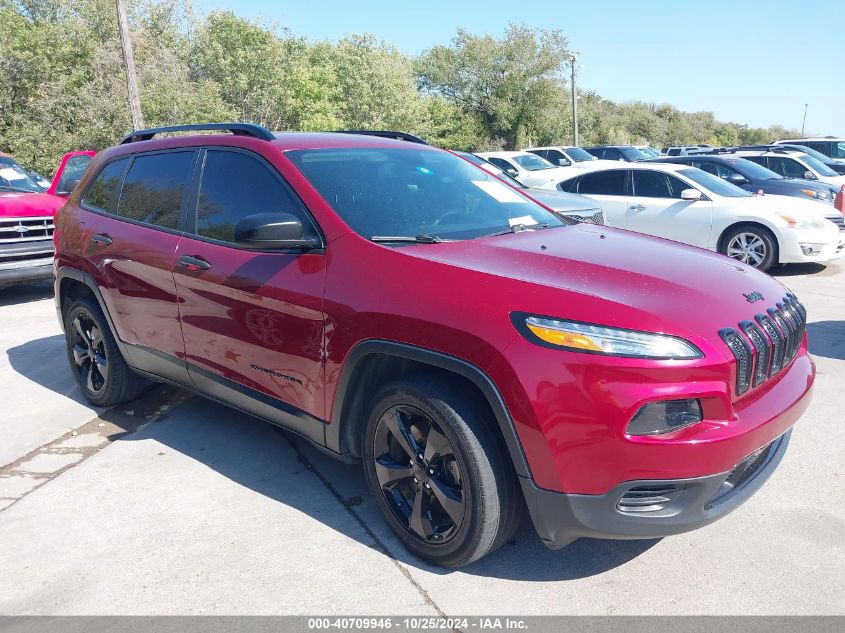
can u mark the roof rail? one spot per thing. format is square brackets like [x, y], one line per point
[779, 149]
[238, 129]
[399, 136]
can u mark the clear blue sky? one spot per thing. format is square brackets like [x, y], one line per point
[755, 62]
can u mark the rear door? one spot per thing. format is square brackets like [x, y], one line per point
[133, 220]
[656, 208]
[611, 190]
[252, 321]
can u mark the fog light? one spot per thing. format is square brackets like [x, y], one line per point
[664, 417]
[811, 249]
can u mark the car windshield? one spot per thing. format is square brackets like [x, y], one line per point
[714, 184]
[818, 166]
[754, 171]
[579, 155]
[532, 162]
[13, 177]
[809, 151]
[500, 173]
[416, 192]
[632, 153]
[649, 152]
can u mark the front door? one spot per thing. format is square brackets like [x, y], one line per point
[252, 321]
[656, 208]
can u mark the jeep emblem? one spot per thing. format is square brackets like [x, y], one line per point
[751, 297]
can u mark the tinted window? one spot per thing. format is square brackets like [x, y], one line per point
[556, 157]
[837, 149]
[654, 184]
[74, 169]
[717, 169]
[579, 155]
[786, 167]
[152, 191]
[501, 163]
[101, 192]
[411, 191]
[235, 185]
[606, 183]
[714, 184]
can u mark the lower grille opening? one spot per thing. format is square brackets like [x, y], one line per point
[648, 498]
[742, 473]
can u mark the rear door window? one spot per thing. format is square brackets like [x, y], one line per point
[235, 185]
[605, 183]
[154, 188]
[101, 193]
[655, 184]
[786, 167]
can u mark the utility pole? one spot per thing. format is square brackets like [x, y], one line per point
[129, 65]
[804, 122]
[573, 63]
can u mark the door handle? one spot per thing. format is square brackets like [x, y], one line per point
[193, 263]
[101, 239]
[637, 207]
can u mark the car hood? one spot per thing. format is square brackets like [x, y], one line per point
[630, 280]
[560, 201]
[28, 205]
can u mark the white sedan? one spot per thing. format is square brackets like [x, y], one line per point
[530, 170]
[688, 205]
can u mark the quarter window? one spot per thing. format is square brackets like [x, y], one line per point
[153, 189]
[606, 183]
[101, 192]
[235, 185]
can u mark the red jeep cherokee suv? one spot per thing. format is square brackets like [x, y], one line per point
[395, 304]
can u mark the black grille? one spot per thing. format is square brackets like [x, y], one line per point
[648, 498]
[775, 339]
[838, 220]
[595, 218]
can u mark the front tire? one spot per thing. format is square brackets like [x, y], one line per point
[100, 371]
[439, 471]
[752, 245]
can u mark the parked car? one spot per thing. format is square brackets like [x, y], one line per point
[830, 146]
[688, 205]
[527, 168]
[686, 150]
[27, 215]
[790, 164]
[838, 167]
[753, 177]
[627, 153]
[571, 207]
[567, 156]
[397, 305]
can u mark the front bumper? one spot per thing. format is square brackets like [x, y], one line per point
[650, 508]
[829, 246]
[33, 270]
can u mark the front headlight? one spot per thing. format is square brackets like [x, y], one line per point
[817, 195]
[800, 223]
[598, 339]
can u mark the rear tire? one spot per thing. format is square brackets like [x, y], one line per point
[95, 360]
[439, 471]
[752, 245]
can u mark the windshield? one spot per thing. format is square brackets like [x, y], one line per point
[809, 151]
[579, 155]
[649, 151]
[837, 149]
[532, 162]
[13, 177]
[632, 154]
[754, 171]
[714, 184]
[499, 173]
[413, 192]
[818, 166]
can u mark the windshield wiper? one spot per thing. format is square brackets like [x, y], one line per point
[417, 239]
[516, 228]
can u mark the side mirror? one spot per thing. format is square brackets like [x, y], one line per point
[513, 173]
[737, 179]
[68, 188]
[272, 231]
[808, 175]
[563, 162]
[690, 194]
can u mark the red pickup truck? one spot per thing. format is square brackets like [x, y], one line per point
[26, 216]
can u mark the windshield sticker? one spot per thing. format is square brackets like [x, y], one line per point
[525, 220]
[500, 191]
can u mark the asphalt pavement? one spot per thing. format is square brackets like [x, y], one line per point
[176, 505]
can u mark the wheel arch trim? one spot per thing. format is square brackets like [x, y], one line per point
[349, 381]
[750, 222]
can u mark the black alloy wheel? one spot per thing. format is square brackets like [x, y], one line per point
[419, 474]
[89, 353]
